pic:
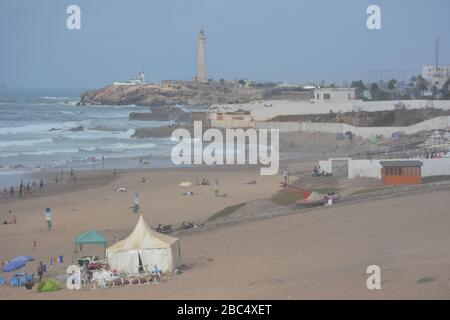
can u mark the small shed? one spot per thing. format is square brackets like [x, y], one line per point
[395, 172]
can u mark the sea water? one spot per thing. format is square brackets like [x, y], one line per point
[46, 130]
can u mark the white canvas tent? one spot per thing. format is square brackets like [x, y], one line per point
[143, 249]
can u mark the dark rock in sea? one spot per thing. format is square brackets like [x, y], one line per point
[75, 129]
[54, 129]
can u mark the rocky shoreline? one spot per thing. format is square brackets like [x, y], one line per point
[164, 131]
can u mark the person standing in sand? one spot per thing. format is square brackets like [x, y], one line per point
[216, 187]
[40, 271]
[21, 189]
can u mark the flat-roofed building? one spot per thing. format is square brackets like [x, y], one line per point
[334, 94]
[436, 76]
[396, 172]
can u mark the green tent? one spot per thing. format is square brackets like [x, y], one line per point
[89, 237]
[48, 285]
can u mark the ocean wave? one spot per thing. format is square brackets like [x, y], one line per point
[40, 128]
[49, 152]
[69, 112]
[118, 147]
[38, 153]
[98, 134]
[30, 142]
[57, 98]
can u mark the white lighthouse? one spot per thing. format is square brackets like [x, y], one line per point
[201, 72]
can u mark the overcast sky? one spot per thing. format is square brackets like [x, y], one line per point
[263, 40]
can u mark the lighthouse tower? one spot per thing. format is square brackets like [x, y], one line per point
[201, 72]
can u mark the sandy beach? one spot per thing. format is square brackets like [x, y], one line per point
[318, 254]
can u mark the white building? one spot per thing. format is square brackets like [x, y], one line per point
[352, 168]
[334, 94]
[436, 77]
[138, 79]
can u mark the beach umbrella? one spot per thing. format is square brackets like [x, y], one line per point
[17, 263]
[13, 265]
[22, 258]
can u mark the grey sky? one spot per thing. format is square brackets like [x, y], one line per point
[265, 40]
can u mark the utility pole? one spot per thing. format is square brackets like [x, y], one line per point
[436, 72]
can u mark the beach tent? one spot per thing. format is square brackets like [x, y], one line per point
[49, 285]
[143, 249]
[90, 237]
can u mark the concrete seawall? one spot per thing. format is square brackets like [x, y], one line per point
[271, 109]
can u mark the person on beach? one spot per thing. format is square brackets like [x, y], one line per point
[39, 271]
[21, 189]
[216, 187]
[28, 188]
[41, 184]
[11, 190]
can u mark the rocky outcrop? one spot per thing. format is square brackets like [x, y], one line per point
[175, 114]
[162, 114]
[170, 93]
[163, 132]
